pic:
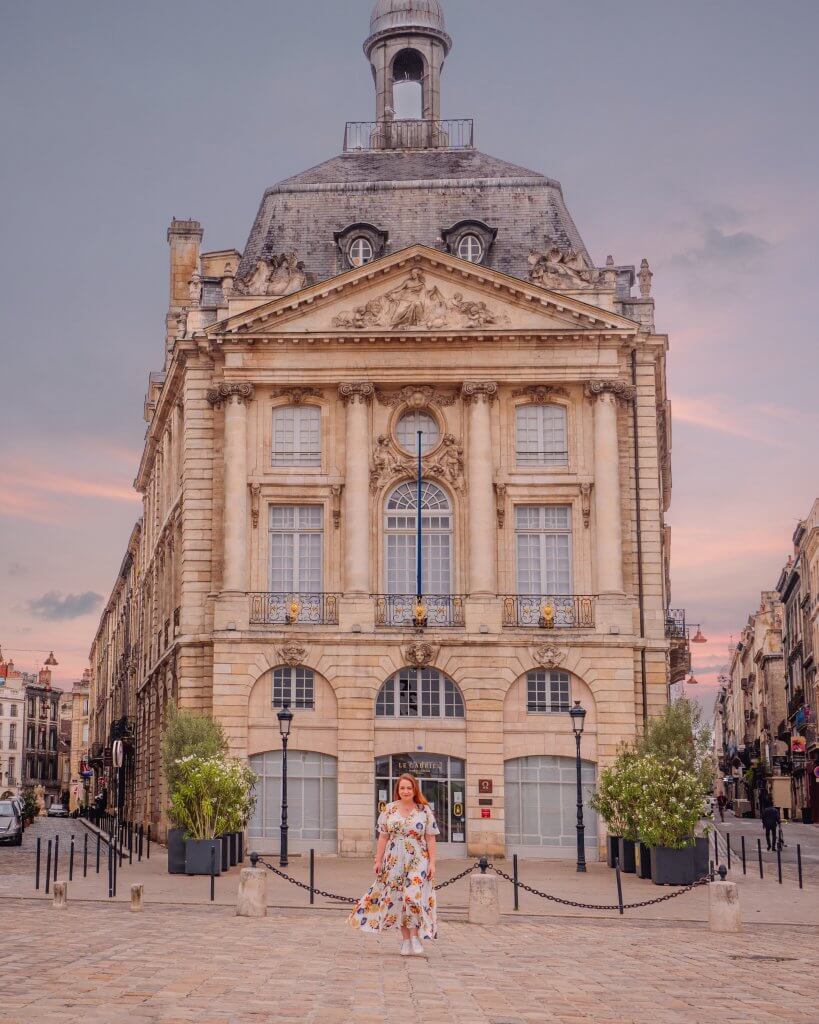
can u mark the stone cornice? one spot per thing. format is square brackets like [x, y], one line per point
[618, 388]
[355, 392]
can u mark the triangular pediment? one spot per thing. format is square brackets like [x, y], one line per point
[421, 291]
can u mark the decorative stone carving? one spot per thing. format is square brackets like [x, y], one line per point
[354, 393]
[417, 396]
[556, 268]
[618, 388]
[411, 305]
[585, 498]
[540, 393]
[448, 462]
[479, 391]
[224, 391]
[182, 322]
[420, 654]
[644, 278]
[255, 493]
[549, 656]
[291, 654]
[610, 273]
[195, 289]
[274, 275]
[500, 504]
[336, 491]
[387, 463]
[295, 394]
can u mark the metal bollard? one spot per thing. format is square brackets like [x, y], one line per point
[149, 842]
[140, 837]
[619, 884]
[312, 877]
[37, 868]
[56, 853]
[798, 862]
[515, 874]
[728, 844]
[744, 865]
[130, 842]
[48, 869]
[759, 855]
[85, 856]
[71, 860]
[779, 862]
[110, 872]
[241, 856]
[99, 839]
[212, 872]
[716, 845]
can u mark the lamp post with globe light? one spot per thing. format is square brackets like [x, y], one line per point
[578, 716]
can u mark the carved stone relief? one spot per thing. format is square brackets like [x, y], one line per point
[446, 463]
[500, 504]
[585, 498]
[420, 654]
[417, 396]
[274, 275]
[223, 392]
[413, 305]
[479, 391]
[540, 393]
[555, 268]
[291, 654]
[549, 656]
[354, 393]
[255, 494]
[295, 394]
[387, 463]
[336, 491]
[618, 388]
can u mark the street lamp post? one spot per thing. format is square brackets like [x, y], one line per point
[578, 716]
[285, 717]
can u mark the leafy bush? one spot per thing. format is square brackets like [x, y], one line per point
[189, 734]
[212, 796]
[679, 733]
[668, 799]
[30, 806]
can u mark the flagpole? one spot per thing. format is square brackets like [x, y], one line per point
[419, 565]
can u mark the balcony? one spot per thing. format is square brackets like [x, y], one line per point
[408, 134]
[294, 609]
[435, 611]
[675, 624]
[549, 611]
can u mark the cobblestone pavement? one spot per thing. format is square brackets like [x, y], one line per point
[793, 833]
[101, 964]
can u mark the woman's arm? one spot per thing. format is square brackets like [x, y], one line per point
[431, 842]
[379, 852]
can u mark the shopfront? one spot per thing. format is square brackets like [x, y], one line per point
[443, 783]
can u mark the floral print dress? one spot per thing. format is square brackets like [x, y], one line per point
[402, 895]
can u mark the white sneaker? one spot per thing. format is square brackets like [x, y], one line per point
[406, 948]
[417, 946]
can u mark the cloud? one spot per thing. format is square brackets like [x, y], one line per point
[712, 414]
[16, 569]
[56, 608]
[739, 250]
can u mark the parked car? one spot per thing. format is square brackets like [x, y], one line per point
[11, 823]
[58, 811]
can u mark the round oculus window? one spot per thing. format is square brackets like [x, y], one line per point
[360, 252]
[470, 248]
[406, 432]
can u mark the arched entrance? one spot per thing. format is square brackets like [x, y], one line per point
[312, 801]
[443, 783]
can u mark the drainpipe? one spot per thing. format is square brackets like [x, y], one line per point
[639, 523]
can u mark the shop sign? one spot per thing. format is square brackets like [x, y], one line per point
[485, 786]
[486, 812]
[798, 744]
[429, 766]
[799, 718]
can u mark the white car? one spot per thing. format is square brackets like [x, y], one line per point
[58, 811]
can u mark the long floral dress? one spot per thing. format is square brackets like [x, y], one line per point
[402, 895]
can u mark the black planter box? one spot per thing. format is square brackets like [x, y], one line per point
[197, 856]
[225, 843]
[233, 844]
[702, 853]
[612, 849]
[642, 860]
[672, 867]
[176, 851]
[626, 854]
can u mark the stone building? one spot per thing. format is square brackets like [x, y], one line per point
[12, 716]
[749, 712]
[411, 284]
[76, 717]
[42, 736]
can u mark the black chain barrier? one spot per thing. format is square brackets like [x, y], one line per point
[482, 866]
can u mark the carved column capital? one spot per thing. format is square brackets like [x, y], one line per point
[540, 393]
[617, 388]
[225, 391]
[479, 391]
[358, 392]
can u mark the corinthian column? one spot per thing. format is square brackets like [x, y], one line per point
[235, 398]
[356, 491]
[608, 512]
[479, 395]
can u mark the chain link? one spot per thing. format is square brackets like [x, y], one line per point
[600, 906]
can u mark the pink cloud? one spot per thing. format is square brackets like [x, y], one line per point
[713, 414]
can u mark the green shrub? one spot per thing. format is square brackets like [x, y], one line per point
[30, 806]
[668, 803]
[189, 734]
[615, 797]
[679, 733]
[212, 796]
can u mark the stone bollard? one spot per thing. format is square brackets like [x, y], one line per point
[723, 907]
[61, 894]
[484, 907]
[136, 897]
[252, 898]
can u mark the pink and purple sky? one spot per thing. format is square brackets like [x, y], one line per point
[681, 132]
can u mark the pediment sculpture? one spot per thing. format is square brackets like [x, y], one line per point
[413, 304]
[274, 275]
[557, 268]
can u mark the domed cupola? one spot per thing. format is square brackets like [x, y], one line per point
[408, 42]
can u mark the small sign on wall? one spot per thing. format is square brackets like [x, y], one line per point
[486, 812]
[485, 786]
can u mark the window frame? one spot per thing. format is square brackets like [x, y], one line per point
[551, 678]
[469, 238]
[543, 532]
[432, 689]
[432, 538]
[299, 459]
[407, 413]
[298, 532]
[287, 677]
[545, 462]
[361, 240]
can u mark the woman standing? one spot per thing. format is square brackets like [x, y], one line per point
[402, 894]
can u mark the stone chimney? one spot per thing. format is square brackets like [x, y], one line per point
[184, 239]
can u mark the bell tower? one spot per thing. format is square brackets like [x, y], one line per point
[408, 42]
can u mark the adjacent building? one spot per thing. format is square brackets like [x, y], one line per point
[12, 716]
[42, 736]
[409, 286]
[78, 774]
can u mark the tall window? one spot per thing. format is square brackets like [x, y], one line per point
[296, 549]
[407, 428]
[297, 435]
[419, 693]
[12, 769]
[400, 533]
[12, 736]
[295, 687]
[13, 711]
[548, 691]
[544, 549]
[541, 436]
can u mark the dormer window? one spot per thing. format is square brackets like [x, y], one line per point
[360, 252]
[470, 248]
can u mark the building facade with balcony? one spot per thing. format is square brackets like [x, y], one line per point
[12, 726]
[42, 737]
[410, 285]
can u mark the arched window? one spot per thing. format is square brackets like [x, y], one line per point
[408, 91]
[542, 436]
[419, 693]
[295, 687]
[406, 431]
[470, 248]
[360, 252]
[400, 524]
[297, 435]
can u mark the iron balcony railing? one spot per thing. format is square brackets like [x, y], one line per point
[434, 610]
[675, 623]
[549, 611]
[457, 133]
[294, 609]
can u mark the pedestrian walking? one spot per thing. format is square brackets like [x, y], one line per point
[403, 895]
[770, 822]
[721, 802]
